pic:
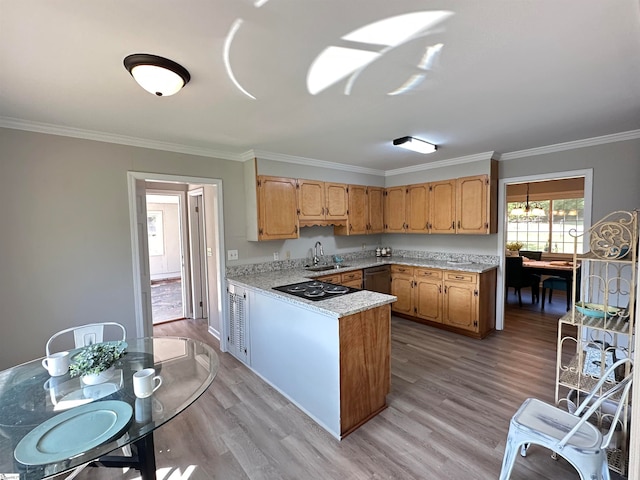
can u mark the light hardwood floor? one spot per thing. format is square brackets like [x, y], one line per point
[447, 418]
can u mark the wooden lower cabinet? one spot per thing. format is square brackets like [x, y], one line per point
[428, 294]
[365, 366]
[402, 287]
[463, 302]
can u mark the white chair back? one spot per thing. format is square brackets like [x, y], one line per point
[84, 335]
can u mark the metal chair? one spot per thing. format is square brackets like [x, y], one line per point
[569, 434]
[84, 335]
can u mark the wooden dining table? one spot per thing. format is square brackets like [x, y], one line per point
[556, 268]
[34, 408]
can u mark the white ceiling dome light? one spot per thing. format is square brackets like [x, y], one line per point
[157, 75]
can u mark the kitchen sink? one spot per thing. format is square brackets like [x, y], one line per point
[323, 268]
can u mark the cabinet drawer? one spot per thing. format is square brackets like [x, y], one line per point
[402, 269]
[461, 277]
[353, 283]
[335, 279]
[428, 273]
[351, 276]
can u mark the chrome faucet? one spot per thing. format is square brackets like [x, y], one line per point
[316, 259]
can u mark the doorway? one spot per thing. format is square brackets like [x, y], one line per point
[165, 213]
[587, 174]
[212, 206]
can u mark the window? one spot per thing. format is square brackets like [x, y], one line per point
[546, 226]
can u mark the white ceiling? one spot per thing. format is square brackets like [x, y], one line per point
[511, 75]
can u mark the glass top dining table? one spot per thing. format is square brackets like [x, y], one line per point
[38, 436]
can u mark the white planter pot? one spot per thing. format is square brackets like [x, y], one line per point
[96, 378]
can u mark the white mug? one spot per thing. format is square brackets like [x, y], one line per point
[144, 382]
[56, 363]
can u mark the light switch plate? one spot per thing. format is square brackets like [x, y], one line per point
[232, 254]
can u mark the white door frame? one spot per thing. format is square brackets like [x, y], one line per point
[502, 221]
[143, 321]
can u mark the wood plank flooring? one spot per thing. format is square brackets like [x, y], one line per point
[449, 408]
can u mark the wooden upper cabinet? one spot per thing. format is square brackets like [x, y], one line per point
[366, 205]
[442, 216]
[337, 203]
[321, 203]
[417, 208]
[311, 201]
[375, 201]
[394, 209]
[277, 208]
[358, 213]
[472, 201]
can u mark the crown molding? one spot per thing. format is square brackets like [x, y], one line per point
[441, 163]
[280, 157]
[38, 127]
[559, 147]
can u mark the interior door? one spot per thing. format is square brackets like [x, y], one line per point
[198, 254]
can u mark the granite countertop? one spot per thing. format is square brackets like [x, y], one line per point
[343, 305]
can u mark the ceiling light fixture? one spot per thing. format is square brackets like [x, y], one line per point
[157, 75]
[415, 144]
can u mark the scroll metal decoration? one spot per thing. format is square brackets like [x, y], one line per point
[614, 236]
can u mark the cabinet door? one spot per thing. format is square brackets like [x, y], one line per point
[471, 204]
[417, 208]
[394, 209]
[277, 208]
[461, 304]
[337, 202]
[358, 220]
[375, 206]
[402, 287]
[442, 217]
[311, 200]
[428, 294]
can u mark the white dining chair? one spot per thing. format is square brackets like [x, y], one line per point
[84, 335]
[569, 435]
[88, 334]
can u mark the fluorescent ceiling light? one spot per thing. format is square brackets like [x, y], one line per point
[415, 145]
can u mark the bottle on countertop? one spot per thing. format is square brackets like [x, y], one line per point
[378, 252]
[388, 251]
[383, 252]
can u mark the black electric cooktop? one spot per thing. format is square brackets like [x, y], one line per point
[316, 290]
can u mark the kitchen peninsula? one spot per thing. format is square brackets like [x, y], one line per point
[332, 357]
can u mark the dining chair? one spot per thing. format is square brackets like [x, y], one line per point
[530, 254]
[88, 334]
[570, 435]
[517, 278]
[84, 335]
[554, 283]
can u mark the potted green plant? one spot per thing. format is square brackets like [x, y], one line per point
[95, 363]
[514, 247]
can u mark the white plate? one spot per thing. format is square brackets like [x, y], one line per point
[73, 432]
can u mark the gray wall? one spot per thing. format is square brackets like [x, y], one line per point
[65, 246]
[616, 172]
